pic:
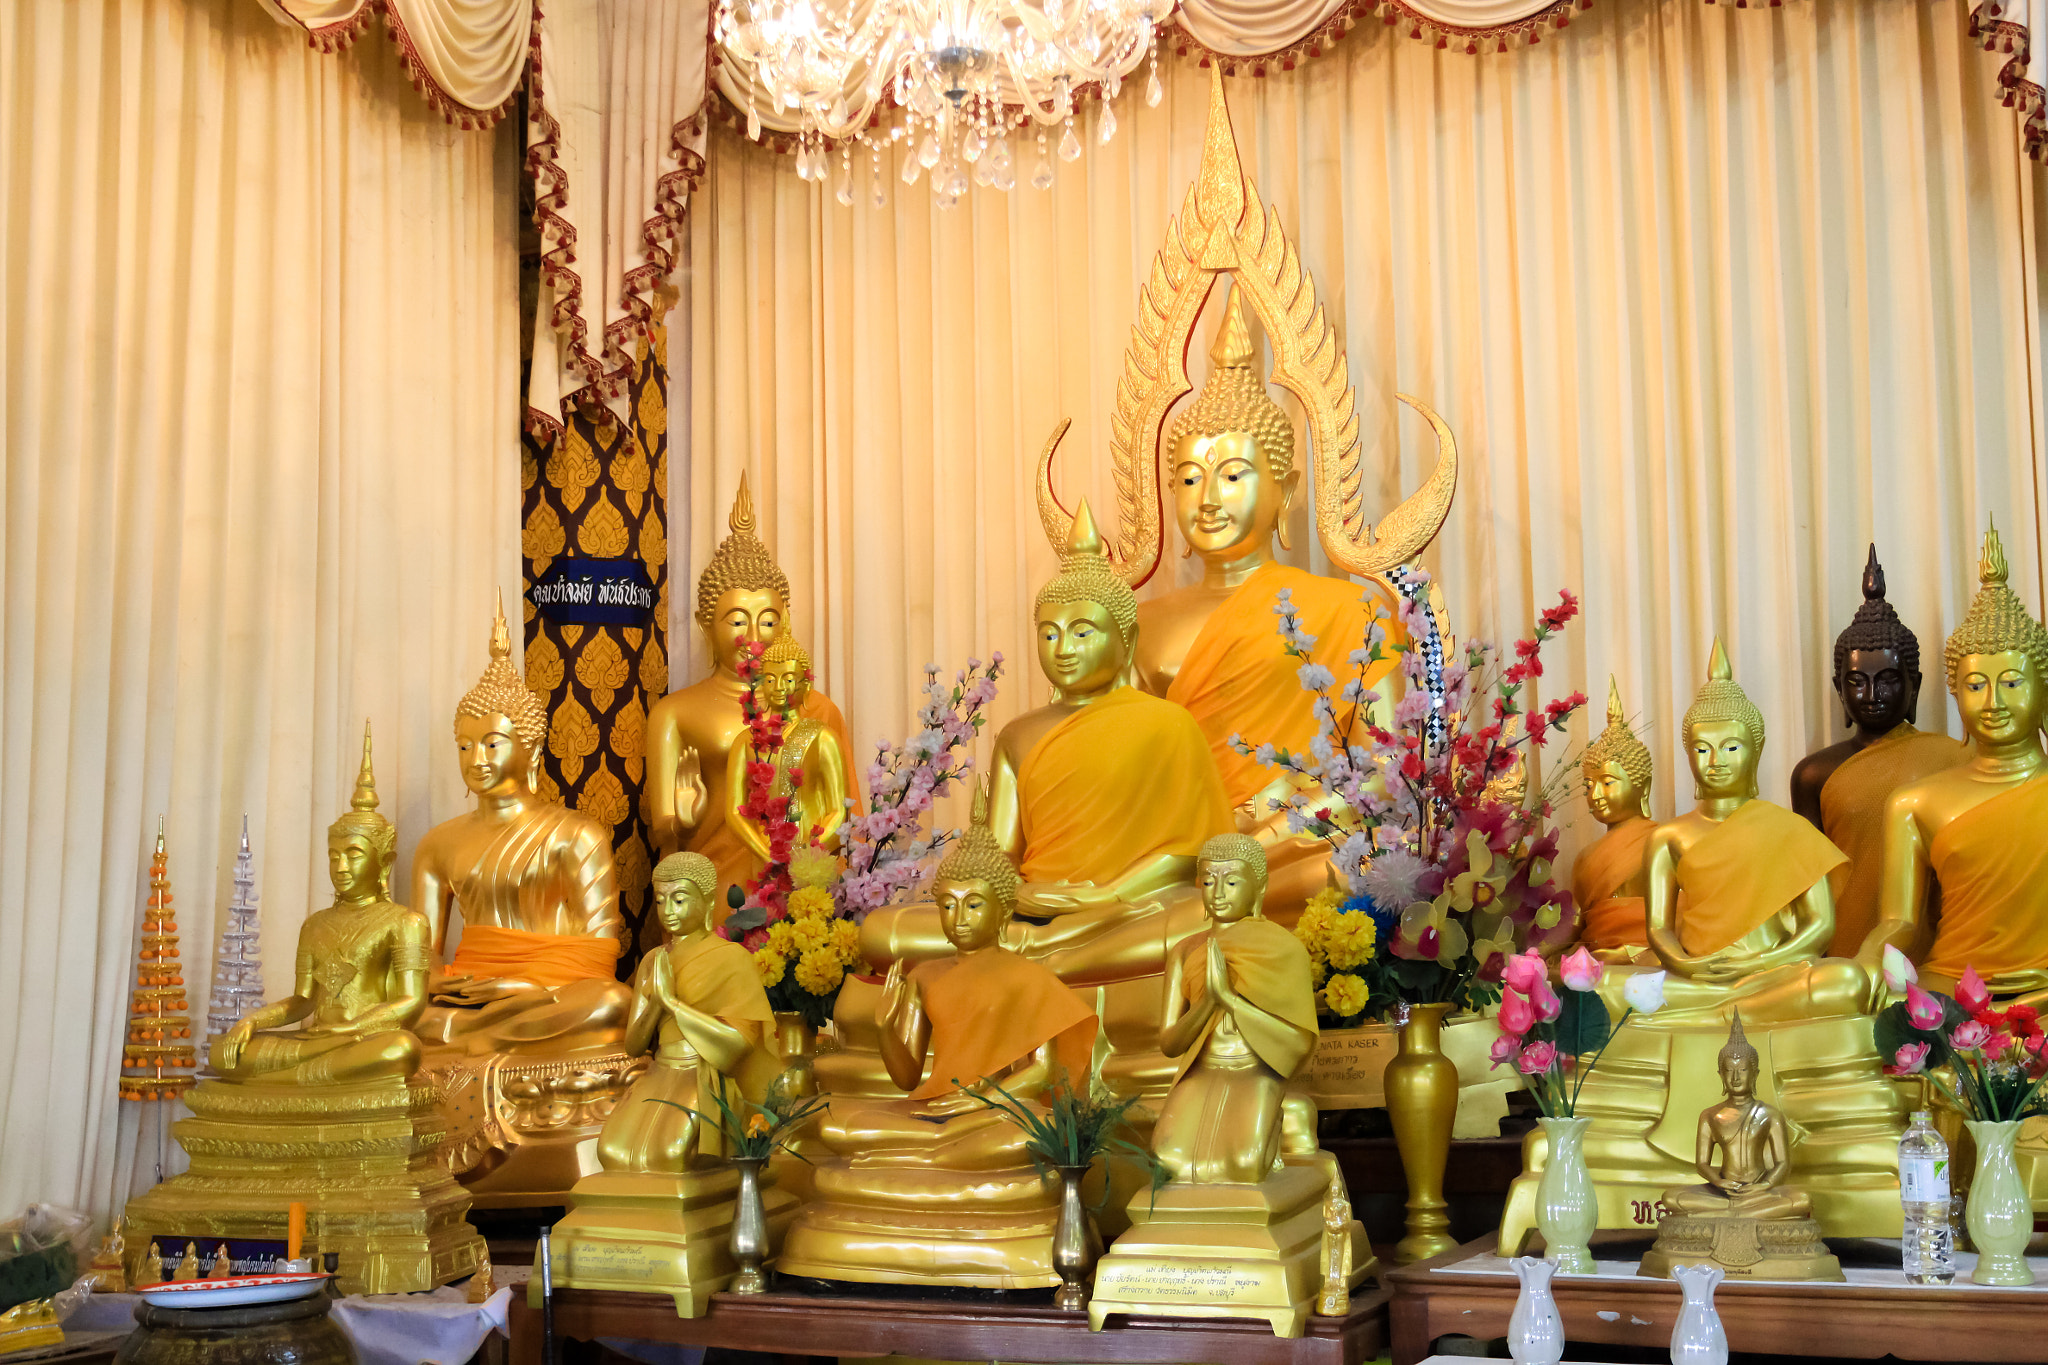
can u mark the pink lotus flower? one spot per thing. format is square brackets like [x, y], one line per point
[1537, 1058]
[1526, 971]
[1911, 1061]
[1548, 1006]
[1517, 1015]
[1899, 971]
[1971, 992]
[1922, 1009]
[1970, 1035]
[1581, 970]
[1506, 1050]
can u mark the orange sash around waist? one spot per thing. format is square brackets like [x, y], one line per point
[1747, 869]
[544, 959]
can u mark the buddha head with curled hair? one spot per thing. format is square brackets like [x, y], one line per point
[976, 884]
[1997, 658]
[1616, 767]
[685, 886]
[1231, 453]
[1231, 870]
[500, 725]
[1087, 618]
[1877, 661]
[742, 595]
[1723, 733]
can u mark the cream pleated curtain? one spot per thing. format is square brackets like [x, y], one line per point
[259, 420]
[1712, 298]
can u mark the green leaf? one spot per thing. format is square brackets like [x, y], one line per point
[1582, 1026]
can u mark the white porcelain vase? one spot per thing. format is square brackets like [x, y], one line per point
[1535, 1332]
[1698, 1339]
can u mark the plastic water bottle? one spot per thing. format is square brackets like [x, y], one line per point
[1930, 1241]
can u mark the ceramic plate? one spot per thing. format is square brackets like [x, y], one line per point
[231, 1293]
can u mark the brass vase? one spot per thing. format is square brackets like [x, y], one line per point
[749, 1229]
[797, 1041]
[1422, 1102]
[1076, 1246]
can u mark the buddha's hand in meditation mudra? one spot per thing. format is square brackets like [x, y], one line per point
[1045, 900]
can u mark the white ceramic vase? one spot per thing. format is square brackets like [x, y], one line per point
[1567, 1209]
[1535, 1332]
[1698, 1339]
[2000, 1216]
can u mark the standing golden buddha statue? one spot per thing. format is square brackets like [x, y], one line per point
[658, 1216]
[1740, 912]
[811, 756]
[1608, 878]
[1979, 830]
[742, 599]
[1248, 1190]
[1842, 789]
[526, 1018]
[328, 1113]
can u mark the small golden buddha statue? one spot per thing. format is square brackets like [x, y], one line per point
[1977, 831]
[1743, 1218]
[315, 1098]
[527, 1016]
[658, 1216]
[810, 750]
[937, 1188]
[1842, 789]
[1739, 911]
[1248, 1191]
[1608, 879]
[742, 598]
[109, 1263]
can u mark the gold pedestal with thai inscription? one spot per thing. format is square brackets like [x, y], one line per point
[1224, 1251]
[657, 1233]
[360, 1157]
[1347, 1068]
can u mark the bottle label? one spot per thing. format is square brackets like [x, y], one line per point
[1923, 1179]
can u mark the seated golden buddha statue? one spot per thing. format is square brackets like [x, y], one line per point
[658, 1216]
[315, 1099]
[1249, 1187]
[692, 734]
[523, 1028]
[1743, 1218]
[1103, 798]
[937, 1188]
[1740, 911]
[1843, 788]
[1608, 877]
[1964, 849]
[810, 752]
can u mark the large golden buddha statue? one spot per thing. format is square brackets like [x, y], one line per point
[810, 755]
[937, 1188]
[1248, 1189]
[314, 1101]
[1608, 877]
[658, 1216]
[526, 1018]
[1739, 910]
[742, 599]
[1843, 788]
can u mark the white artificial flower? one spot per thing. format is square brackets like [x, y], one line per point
[1899, 971]
[1314, 677]
[1394, 876]
[1644, 992]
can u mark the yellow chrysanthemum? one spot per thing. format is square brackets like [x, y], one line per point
[782, 938]
[809, 933]
[1345, 995]
[845, 941]
[771, 965]
[809, 867]
[1349, 939]
[809, 903]
[820, 971]
[1325, 900]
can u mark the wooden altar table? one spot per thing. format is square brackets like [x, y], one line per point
[1470, 1292]
[817, 1326]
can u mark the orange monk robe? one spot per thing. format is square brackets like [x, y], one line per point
[1126, 778]
[1606, 918]
[1992, 862]
[1269, 967]
[1748, 868]
[1852, 803]
[715, 839]
[1239, 679]
[992, 1009]
[547, 960]
[719, 977]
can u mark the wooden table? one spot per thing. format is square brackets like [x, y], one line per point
[817, 1326]
[1854, 1320]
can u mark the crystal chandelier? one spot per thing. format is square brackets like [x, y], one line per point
[964, 75]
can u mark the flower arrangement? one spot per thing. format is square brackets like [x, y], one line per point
[1544, 1035]
[757, 1131]
[1996, 1059]
[1075, 1126]
[1447, 867]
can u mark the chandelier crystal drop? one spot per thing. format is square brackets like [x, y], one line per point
[963, 74]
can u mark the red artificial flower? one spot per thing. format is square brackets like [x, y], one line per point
[1554, 618]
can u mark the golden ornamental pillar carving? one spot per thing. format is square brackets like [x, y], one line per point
[597, 489]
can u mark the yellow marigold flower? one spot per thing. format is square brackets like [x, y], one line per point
[757, 1125]
[1345, 995]
[810, 902]
[845, 941]
[820, 971]
[1350, 939]
[771, 965]
[1324, 901]
[810, 867]
[809, 933]
[782, 938]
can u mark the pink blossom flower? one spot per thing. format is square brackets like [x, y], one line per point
[1971, 993]
[1537, 1058]
[1517, 1015]
[1506, 1050]
[1524, 971]
[1581, 970]
[1548, 1006]
[1911, 1060]
[1970, 1035]
[1922, 1009]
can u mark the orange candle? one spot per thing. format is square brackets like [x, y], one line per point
[297, 1235]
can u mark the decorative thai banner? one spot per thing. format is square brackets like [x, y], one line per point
[595, 592]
